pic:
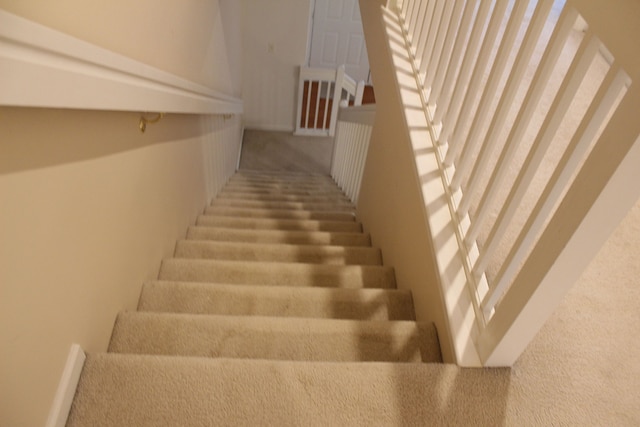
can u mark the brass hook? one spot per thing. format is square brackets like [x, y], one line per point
[143, 121]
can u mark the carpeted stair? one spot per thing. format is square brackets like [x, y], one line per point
[274, 310]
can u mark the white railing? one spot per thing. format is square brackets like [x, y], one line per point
[317, 112]
[43, 67]
[534, 126]
[350, 147]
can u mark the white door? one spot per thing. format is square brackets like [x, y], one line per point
[338, 38]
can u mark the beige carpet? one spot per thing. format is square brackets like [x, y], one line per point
[264, 150]
[274, 310]
[582, 368]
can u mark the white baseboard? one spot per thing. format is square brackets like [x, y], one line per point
[67, 388]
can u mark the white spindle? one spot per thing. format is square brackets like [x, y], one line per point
[445, 58]
[441, 35]
[341, 154]
[352, 161]
[436, 56]
[365, 149]
[417, 36]
[596, 202]
[529, 105]
[504, 105]
[453, 117]
[316, 118]
[601, 105]
[575, 75]
[412, 19]
[424, 32]
[456, 58]
[406, 4]
[357, 99]
[298, 118]
[434, 22]
[337, 96]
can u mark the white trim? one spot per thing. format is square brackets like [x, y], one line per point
[242, 129]
[364, 114]
[67, 388]
[42, 67]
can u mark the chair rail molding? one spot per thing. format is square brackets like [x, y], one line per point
[43, 67]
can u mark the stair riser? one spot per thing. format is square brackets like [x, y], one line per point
[277, 237]
[270, 224]
[198, 298]
[272, 338]
[333, 255]
[278, 214]
[284, 274]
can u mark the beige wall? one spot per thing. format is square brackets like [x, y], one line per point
[89, 206]
[271, 77]
[390, 204]
[197, 40]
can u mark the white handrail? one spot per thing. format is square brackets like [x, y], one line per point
[43, 67]
[588, 191]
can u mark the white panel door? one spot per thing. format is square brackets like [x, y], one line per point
[338, 38]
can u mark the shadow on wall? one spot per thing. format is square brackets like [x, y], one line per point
[34, 138]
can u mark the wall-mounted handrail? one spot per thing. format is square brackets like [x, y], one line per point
[43, 67]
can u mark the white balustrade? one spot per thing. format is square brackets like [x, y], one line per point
[320, 93]
[350, 148]
[468, 56]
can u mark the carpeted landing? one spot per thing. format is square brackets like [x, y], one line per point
[275, 310]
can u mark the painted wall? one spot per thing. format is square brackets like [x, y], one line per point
[275, 45]
[89, 205]
[197, 40]
[390, 204]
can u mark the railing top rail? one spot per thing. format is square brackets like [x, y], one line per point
[618, 26]
[364, 114]
[309, 73]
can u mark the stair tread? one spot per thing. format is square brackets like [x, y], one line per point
[284, 274]
[286, 301]
[275, 213]
[126, 390]
[283, 187]
[248, 189]
[278, 224]
[279, 236]
[279, 205]
[305, 198]
[319, 182]
[339, 255]
[273, 300]
[263, 337]
[278, 173]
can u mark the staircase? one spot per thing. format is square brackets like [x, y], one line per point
[266, 314]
